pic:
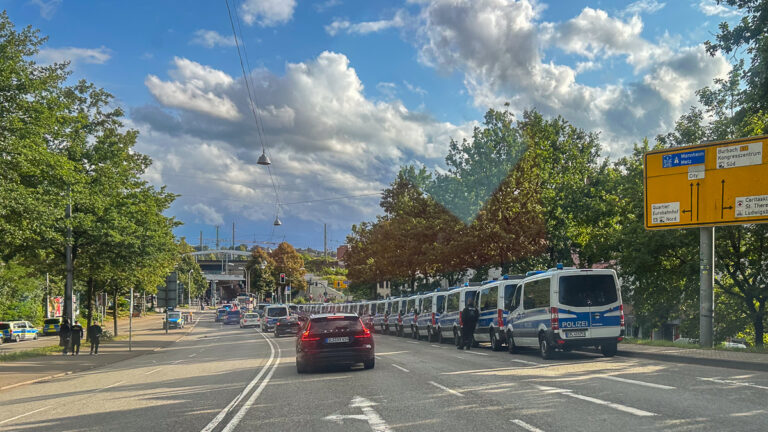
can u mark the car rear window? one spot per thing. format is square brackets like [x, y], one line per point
[233, 313]
[51, 321]
[330, 325]
[5, 326]
[174, 315]
[588, 290]
[251, 315]
[277, 312]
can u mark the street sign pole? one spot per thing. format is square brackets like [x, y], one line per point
[166, 310]
[706, 283]
[130, 323]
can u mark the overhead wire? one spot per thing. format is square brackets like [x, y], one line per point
[251, 94]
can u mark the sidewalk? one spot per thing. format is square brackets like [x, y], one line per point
[717, 358]
[148, 339]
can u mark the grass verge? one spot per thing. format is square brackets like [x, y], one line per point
[33, 352]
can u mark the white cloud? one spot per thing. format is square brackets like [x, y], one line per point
[194, 88]
[324, 137]
[211, 38]
[712, 8]
[501, 47]
[267, 13]
[365, 27]
[644, 6]
[74, 55]
[414, 88]
[206, 214]
[388, 89]
[47, 8]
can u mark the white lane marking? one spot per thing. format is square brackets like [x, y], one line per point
[413, 342]
[178, 361]
[152, 371]
[25, 414]
[192, 355]
[526, 426]
[111, 385]
[377, 357]
[373, 418]
[642, 383]
[459, 357]
[220, 416]
[436, 346]
[732, 382]
[478, 353]
[444, 388]
[247, 405]
[525, 362]
[400, 367]
[620, 407]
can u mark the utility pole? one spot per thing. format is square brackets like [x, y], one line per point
[68, 310]
[706, 282]
[325, 243]
[47, 297]
[201, 241]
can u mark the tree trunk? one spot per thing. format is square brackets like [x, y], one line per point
[759, 329]
[114, 313]
[89, 305]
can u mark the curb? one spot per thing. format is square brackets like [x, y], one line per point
[732, 364]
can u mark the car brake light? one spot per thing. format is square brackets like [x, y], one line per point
[621, 311]
[366, 333]
[460, 323]
[433, 319]
[501, 318]
[305, 336]
[555, 319]
[336, 317]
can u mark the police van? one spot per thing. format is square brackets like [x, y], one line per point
[493, 305]
[380, 317]
[395, 317]
[410, 313]
[566, 308]
[430, 309]
[449, 324]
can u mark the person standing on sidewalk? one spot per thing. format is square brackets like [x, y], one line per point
[77, 334]
[94, 335]
[469, 317]
[65, 336]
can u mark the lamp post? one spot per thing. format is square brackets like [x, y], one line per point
[189, 288]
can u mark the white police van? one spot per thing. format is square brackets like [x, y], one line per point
[493, 305]
[449, 324]
[380, 317]
[395, 317]
[430, 309]
[565, 309]
[410, 313]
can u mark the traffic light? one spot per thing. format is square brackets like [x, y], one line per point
[282, 278]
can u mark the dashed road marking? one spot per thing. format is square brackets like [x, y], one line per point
[617, 406]
[478, 353]
[152, 371]
[111, 385]
[444, 388]
[642, 383]
[732, 382]
[525, 362]
[526, 426]
[400, 367]
[25, 414]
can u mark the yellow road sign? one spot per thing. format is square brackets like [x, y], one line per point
[718, 183]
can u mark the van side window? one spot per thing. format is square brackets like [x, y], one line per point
[440, 304]
[452, 304]
[470, 295]
[426, 305]
[411, 306]
[395, 307]
[509, 296]
[489, 298]
[536, 294]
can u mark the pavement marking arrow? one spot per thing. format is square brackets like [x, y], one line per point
[373, 418]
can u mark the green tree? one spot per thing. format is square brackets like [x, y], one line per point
[260, 270]
[288, 261]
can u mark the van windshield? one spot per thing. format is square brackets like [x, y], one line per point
[277, 312]
[4, 326]
[588, 290]
[51, 321]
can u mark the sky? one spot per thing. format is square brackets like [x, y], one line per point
[347, 91]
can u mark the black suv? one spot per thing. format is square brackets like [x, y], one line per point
[334, 339]
[287, 325]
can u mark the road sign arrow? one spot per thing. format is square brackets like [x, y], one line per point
[339, 418]
[373, 418]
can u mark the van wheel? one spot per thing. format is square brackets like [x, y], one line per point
[609, 349]
[457, 338]
[369, 364]
[495, 342]
[511, 343]
[440, 336]
[545, 348]
[430, 334]
[34, 337]
[415, 333]
[17, 338]
[401, 331]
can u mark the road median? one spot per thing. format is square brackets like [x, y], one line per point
[704, 357]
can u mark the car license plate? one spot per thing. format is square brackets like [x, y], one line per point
[577, 333]
[337, 340]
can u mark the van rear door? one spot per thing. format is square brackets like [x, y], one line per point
[589, 302]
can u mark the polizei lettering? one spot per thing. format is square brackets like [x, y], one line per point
[573, 324]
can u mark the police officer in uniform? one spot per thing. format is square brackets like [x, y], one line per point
[469, 317]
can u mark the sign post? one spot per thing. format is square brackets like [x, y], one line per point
[167, 295]
[703, 186]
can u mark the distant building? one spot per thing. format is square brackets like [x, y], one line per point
[341, 251]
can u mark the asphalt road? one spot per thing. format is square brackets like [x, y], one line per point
[230, 379]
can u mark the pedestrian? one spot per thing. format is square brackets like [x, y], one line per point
[469, 317]
[94, 335]
[65, 335]
[77, 334]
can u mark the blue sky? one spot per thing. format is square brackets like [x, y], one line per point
[349, 90]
